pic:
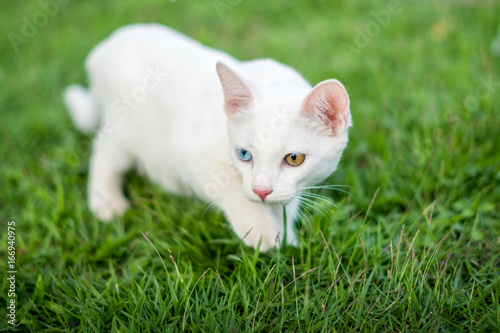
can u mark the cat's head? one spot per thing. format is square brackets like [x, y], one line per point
[284, 138]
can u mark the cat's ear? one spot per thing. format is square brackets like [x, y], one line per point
[328, 102]
[237, 95]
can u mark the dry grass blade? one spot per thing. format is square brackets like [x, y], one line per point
[157, 252]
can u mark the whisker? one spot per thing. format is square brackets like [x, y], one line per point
[300, 208]
[329, 187]
[302, 212]
[320, 197]
[306, 203]
[317, 196]
[311, 204]
[208, 207]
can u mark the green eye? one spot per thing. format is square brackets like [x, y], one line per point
[244, 155]
[295, 159]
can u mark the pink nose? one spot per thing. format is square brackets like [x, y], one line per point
[262, 193]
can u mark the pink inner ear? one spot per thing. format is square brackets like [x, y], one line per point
[233, 105]
[329, 102]
[237, 95]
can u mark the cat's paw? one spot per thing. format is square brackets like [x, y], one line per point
[291, 239]
[268, 239]
[107, 209]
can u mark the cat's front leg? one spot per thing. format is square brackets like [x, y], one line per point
[256, 222]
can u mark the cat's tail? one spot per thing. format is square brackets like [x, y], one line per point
[81, 106]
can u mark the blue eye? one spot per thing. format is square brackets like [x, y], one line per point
[243, 154]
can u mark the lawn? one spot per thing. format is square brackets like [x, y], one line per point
[413, 246]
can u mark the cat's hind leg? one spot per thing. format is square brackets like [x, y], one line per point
[109, 161]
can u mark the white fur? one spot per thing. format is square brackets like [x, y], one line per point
[160, 105]
[81, 105]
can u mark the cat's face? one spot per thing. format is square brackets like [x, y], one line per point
[282, 141]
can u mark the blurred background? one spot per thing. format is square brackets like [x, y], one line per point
[423, 79]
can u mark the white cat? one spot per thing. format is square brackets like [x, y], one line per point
[247, 136]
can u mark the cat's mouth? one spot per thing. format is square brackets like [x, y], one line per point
[270, 200]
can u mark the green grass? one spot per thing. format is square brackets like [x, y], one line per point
[417, 248]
